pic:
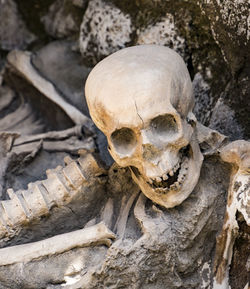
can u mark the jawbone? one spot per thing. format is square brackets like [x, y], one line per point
[176, 193]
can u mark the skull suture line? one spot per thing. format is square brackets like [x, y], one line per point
[141, 98]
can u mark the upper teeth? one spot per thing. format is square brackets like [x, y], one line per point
[158, 179]
[165, 177]
[181, 176]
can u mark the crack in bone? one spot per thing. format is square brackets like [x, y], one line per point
[136, 108]
[95, 235]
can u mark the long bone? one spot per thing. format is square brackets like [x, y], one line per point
[61, 186]
[55, 135]
[122, 219]
[95, 235]
[20, 61]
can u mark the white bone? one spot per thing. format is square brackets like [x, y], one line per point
[95, 235]
[141, 98]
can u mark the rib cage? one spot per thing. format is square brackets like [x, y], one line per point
[60, 187]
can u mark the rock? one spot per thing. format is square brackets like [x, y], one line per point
[230, 26]
[63, 66]
[63, 19]
[223, 119]
[229, 22]
[204, 100]
[163, 33]
[215, 113]
[13, 31]
[104, 30]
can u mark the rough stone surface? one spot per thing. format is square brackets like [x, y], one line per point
[230, 26]
[63, 19]
[104, 30]
[13, 31]
[229, 21]
[223, 119]
[203, 99]
[163, 33]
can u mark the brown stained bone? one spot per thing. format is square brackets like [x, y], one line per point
[61, 186]
[237, 153]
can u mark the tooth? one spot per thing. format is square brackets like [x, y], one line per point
[158, 179]
[165, 177]
[173, 187]
[177, 185]
[150, 181]
[171, 173]
[162, 190]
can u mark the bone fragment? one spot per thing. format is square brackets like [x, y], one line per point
[51, 135]
[238, 154]
[143, 220]
[107, 213]
[121, 223]
[70, 145]
[12, 119]
[95, 235]
[209, 140]
[20, 60]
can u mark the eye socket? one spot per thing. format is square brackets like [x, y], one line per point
[124, 141]
[164, 125]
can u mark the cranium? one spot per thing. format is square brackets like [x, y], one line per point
[141, 98]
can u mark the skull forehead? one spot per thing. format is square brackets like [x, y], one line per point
[137, 83]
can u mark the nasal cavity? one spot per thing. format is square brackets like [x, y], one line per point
[150, 152]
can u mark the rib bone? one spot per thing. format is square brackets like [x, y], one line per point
[95, 235]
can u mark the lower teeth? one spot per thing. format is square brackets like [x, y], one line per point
[181, 177]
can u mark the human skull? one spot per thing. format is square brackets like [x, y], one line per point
[141, 98]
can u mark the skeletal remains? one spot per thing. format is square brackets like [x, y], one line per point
[141, 99]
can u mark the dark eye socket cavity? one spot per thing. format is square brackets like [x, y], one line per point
[124, 141]
[164, 125]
